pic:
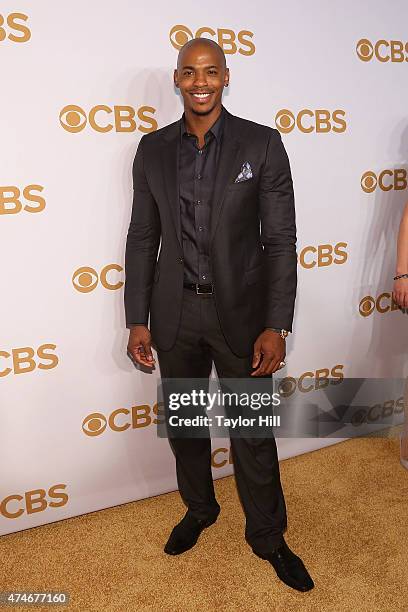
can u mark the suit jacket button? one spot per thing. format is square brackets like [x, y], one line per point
[180, 260]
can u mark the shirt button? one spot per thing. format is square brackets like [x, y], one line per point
[199, 176]
[200, 151]
[200, 229]
[198, 202]
[179, 260]
[203, 277]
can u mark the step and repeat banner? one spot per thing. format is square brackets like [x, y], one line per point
[81, 83]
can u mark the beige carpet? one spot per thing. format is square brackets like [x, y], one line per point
[347, 518]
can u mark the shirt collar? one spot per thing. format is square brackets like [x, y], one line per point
[215, 129]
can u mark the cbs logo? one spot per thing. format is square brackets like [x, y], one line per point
[37, 500]
[180, 34]
[220, 457]
[122, 419]
[86, 279]
[103, 118]
[11, 22]
[10, 199]
[323, 255]
[23, 359]
[382, 50]
[307, 121]
[318, 379]
[382, 304]
[386, 180]
[378, 411]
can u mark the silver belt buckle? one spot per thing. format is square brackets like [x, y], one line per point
[198, 292]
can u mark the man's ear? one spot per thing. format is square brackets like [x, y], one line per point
[175, 77]
[226, 79]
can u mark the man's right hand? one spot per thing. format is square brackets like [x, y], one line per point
[140, 346]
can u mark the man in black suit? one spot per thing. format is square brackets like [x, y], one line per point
[217, 190]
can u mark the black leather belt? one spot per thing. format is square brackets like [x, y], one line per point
[200, 289]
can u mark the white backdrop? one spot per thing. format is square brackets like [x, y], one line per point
[65, 203]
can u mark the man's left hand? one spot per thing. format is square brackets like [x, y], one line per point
[269, 351]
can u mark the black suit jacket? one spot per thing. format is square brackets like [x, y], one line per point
[252, 236]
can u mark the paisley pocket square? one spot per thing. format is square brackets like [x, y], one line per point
[245, 173]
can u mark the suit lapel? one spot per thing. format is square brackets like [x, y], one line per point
[226, 166]
[170, 160]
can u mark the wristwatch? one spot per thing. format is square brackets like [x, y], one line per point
[282, 332]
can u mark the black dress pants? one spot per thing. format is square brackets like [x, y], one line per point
[200, 342]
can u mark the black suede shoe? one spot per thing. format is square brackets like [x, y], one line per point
[185, 535]
[289, 567]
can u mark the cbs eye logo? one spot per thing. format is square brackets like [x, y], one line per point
[94, 424]
[307, 121]
[86, 279]
[180, 34]
[383, 50]
[382, 304]
[387, 179]
[10, 199]
[102, 118]
[10, 25]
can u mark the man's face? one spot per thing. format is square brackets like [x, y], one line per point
[201, 71]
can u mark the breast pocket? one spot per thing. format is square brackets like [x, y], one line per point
[242, 186]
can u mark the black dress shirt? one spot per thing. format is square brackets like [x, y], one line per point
[197, 169]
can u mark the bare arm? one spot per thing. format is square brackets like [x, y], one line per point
[400, 288]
